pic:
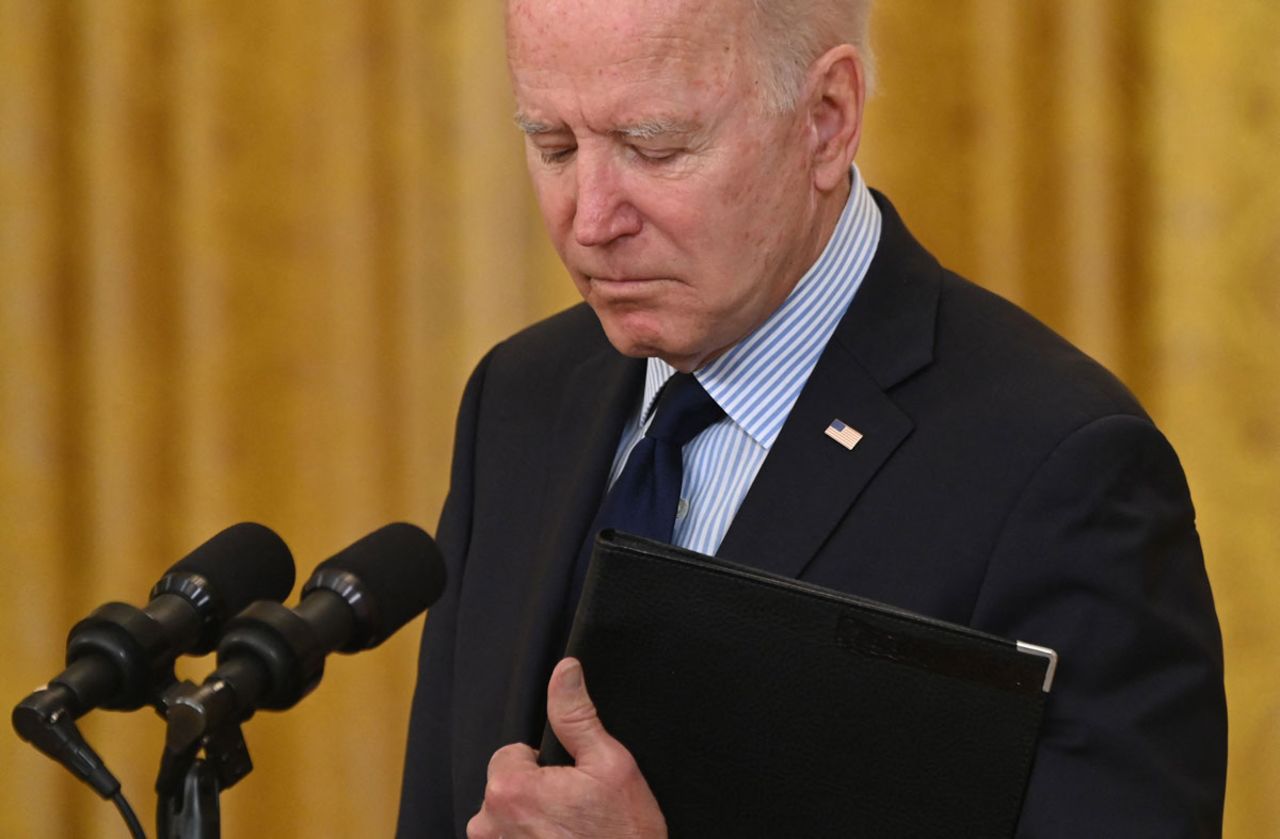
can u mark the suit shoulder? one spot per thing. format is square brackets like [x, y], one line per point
[1014, 362]
[553, 342]
[525, 373]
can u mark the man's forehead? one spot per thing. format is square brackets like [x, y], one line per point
[570, 9]
[638, 68]
[689, 26]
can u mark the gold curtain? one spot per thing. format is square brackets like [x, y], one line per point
[249, 252]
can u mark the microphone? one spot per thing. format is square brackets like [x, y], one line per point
[121, 657]
[271, 656]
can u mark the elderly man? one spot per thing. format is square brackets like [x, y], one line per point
[693, 161]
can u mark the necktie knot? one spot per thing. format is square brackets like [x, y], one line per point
[683, 411]
[644, 498]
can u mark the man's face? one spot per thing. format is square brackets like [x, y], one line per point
[682, 209]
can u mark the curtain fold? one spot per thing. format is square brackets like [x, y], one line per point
[250, 252]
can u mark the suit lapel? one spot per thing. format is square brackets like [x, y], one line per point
[598, 397]
[809, 482]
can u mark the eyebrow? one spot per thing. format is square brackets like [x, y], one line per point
[647, 130]
[532, 127]
[650, 129]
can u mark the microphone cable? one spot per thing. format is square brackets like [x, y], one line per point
[61, 739]
[130, 817]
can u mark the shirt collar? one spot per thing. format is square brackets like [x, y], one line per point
[758, 380]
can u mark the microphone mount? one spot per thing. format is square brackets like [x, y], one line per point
[197, 764]
[205, 750]
[270, 653]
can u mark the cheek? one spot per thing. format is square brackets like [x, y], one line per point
[710, 238]
[781, 210]
[757, 201]
[551, 189]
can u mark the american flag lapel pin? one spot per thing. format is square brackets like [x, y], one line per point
[845, 435]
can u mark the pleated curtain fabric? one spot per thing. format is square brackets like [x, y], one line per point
[249, 254]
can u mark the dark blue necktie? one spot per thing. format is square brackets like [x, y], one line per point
[643, 500]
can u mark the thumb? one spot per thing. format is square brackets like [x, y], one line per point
[572, 714]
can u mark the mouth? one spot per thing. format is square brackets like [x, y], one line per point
[623, 290]
[622, 280]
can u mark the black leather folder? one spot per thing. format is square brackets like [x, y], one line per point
[757, 705]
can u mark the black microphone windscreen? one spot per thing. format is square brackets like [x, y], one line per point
[243, 563]
[400, 569]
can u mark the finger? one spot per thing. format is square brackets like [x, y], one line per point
[515, 758]
[482, 827]
[572, 714]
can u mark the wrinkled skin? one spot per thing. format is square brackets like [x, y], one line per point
[684, 210]
[602, 795]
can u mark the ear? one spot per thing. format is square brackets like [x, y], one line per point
[837, 93]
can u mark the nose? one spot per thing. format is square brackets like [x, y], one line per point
[603, 212]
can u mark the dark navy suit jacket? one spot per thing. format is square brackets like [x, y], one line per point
[1004, 481]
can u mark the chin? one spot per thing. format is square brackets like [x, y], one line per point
[643, 332]
[631, 345]
[634, 334]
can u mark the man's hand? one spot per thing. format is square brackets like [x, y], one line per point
[604, 795]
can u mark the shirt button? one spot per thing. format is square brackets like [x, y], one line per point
[682, 509]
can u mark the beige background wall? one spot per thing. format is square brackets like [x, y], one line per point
[249, 252]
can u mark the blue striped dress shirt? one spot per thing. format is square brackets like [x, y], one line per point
[758, 380]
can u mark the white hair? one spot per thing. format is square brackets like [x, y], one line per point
[791, 34]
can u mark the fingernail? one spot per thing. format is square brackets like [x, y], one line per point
[573, 676]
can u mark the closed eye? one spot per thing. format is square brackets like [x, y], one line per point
[656, 155]
[553, 156]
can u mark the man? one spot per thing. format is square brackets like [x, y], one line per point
[693, 163]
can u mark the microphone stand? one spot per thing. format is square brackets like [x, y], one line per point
[284, 654]
[188, 785]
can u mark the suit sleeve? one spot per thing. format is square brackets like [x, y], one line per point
[1100, 560]
[426, 795]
